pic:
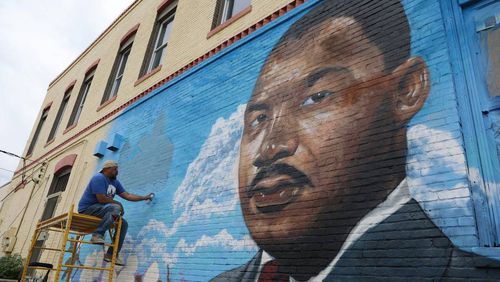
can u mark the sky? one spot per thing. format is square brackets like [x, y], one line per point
[39, 39]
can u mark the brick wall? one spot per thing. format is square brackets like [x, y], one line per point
[304, 146]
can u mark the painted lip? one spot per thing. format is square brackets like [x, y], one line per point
[276, 186]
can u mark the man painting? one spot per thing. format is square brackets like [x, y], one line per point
[323, 154]
[98, 200]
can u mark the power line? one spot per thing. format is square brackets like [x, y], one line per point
[24, 181]
[12, 155]
[8, 170]
[17, 156]
[27, 203]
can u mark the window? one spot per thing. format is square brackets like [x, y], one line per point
[59, 115]
[159, 40]
[45, 113]
[481, 121]
[118, 69]
[226, 9]
[58, 186]
[80, 100]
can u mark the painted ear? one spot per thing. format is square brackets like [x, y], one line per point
[412, 87]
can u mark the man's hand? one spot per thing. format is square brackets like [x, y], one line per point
[135, 198]
[149, 197]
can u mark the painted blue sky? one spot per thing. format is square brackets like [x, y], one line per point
[182, 143]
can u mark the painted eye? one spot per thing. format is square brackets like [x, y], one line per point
[260, 119]
[316, 98]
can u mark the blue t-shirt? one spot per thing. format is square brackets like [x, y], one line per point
[99, 184]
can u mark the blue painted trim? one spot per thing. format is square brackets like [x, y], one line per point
[473, 129]
[116, 143]
[100, 149]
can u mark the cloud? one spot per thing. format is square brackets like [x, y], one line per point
[39, 40]
[222, 239]
[438, 178]
[212, 175]
[210, 185]
[209, 189]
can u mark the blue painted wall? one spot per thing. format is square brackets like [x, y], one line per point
[182, 143]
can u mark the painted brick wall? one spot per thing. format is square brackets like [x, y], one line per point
[304, 147]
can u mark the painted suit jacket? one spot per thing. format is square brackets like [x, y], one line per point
[406, 246]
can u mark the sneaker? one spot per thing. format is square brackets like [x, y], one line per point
[97, 239]
[118, 261]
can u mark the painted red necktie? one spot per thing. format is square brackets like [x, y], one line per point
[270, 273]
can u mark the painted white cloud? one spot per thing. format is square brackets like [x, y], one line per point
[210, 185]
[437, 175]
[433, 153]
[223, 239]
[208, 189]
[214, 170]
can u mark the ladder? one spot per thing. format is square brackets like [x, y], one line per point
[67, 224]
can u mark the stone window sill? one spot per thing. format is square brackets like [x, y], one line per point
[49, 142]
[69, 128]
[230, 21]
[103, 105]
[147, 75]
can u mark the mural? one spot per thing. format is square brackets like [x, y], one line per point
[326, 146]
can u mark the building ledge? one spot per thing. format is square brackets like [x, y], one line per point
[229, 21]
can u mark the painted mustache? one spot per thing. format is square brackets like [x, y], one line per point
[276, 186]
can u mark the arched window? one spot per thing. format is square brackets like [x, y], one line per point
[60, 180]
[57, 186]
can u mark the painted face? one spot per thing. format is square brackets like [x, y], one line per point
[317, 128]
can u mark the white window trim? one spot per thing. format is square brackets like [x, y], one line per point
[125, 49]
[164, 19]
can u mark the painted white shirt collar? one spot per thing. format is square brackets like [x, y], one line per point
[394, 201]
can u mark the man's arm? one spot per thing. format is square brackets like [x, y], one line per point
[134, 198]
[102, 199]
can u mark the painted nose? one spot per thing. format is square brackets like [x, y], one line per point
[280, 141]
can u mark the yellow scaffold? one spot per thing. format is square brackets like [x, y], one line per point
[70, 223]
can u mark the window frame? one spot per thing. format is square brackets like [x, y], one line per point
[60, 113]
[115, 78]
[160, 47]
[165, 17]
[224, 11]
[81, 98]
[36, 135]
[469, 105]
[55, 191]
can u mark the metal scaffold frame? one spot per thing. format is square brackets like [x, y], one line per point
[70, 223]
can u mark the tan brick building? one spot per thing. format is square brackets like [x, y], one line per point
[285, 140]
[82, 100]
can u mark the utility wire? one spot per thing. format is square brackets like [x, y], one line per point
[12, 154]
[8, 170]
[24, 182]
[19, 157]
[25, 206]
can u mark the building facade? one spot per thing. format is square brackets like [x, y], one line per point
[326, 139]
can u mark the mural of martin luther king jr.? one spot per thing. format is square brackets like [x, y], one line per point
[323, 155]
